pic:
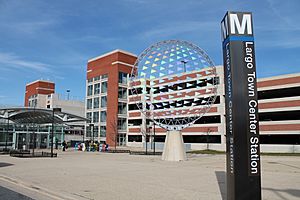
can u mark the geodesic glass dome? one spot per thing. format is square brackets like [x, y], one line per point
[174, 83]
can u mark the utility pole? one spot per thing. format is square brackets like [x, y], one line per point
[92, 130]
[68, 91]
[184, 62]
[7, 133]
[154, 137]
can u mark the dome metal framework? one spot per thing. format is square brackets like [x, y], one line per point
[174, 83]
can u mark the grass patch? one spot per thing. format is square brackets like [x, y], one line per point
[206, 151]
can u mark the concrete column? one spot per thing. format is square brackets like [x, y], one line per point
[27, 139]
[14, 139]
[174, 147]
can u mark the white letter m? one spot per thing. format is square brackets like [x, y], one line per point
[235, 24]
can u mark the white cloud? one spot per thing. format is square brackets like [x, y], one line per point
[13, 61]
[173, 29]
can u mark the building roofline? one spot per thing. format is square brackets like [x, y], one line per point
[269, 78]
[112, 52]
[45, 81]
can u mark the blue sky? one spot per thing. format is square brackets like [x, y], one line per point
[53, 40]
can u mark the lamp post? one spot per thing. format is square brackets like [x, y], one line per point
[68, 92]
[92, 130]
[33, 140]
[7, 133]
[52, 129]
[154, 137]
[83, 134]
[146, 143]
[184, 62]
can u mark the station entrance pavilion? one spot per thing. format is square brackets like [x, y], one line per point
[28, 128]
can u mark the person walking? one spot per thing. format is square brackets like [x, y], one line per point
[64, 144]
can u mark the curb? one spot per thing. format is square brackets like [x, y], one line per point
[35, 188]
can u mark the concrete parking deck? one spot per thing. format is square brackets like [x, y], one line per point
[94, 175]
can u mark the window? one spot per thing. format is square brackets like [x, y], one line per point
[134, 106]
[95, 131]
[103, 116]
[104, 76]
[97, 78]
[104, 87]
[102, 131]
[96, 102]
[122, 78]
[122, 124]
[90, 90]
[103, 102]
[280, 139]
[90, 80]
[135, 122]
[89, 104]
[96, 117]
[135, 138]
[122, 94]
[89, 115]
[89, 130]
[32, 103]
[97, 88]
[279, 93]
[122, 108]
[202, 139]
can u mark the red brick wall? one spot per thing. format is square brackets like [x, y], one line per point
[282, 81]
[280, 127]
[104, 66]
[280, 104]
[189, 129]
[38, 87]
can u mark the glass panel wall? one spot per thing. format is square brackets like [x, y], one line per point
[122, 108]
[122, 124]
[96, 117]
[96, 102]
[103, 102]
[104, 87]
[90, 90]
[104, 76]
[97, 88]
[102, 131]
[103, 116]
[122, 78]
[89, 104]
[89, 115]
[96, 131]
[122, 93]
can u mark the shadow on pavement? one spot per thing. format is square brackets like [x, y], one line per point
[278, 192]
[7, 194]
[221, 177]
[3, 164]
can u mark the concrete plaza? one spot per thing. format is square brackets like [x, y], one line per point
[94, 175]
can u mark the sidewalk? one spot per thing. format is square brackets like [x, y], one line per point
[94, 175]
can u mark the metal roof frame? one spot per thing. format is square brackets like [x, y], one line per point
[31, 115]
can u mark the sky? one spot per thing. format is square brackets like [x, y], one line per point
[53, 40]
